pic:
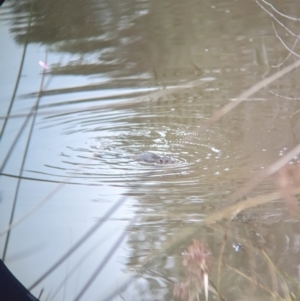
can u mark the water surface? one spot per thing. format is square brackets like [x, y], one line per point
[134, 76]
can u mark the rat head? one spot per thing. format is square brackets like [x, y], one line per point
[166, 160]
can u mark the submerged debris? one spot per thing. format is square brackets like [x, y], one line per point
[237, 247]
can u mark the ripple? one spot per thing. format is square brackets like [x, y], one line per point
[98, 146]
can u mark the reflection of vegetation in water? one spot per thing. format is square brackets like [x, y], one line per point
[163, 40]
[226, 267]
[255, 233]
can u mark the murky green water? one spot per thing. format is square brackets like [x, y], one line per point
[125, 77]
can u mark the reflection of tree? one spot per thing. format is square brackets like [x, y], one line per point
[56, 21]
[167, 41]
[77, 28]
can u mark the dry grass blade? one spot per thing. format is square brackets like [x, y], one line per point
[283, 283]
[231, 211]
[265, 288]
[20, 68]
[221, 253]
[35, 108]
[205, 284]
[146, 97]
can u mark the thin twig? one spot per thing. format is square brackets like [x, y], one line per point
[230, 106]
[283, 96]
[281, 24]
[287, 57]
[280, 13]
[282, 42]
